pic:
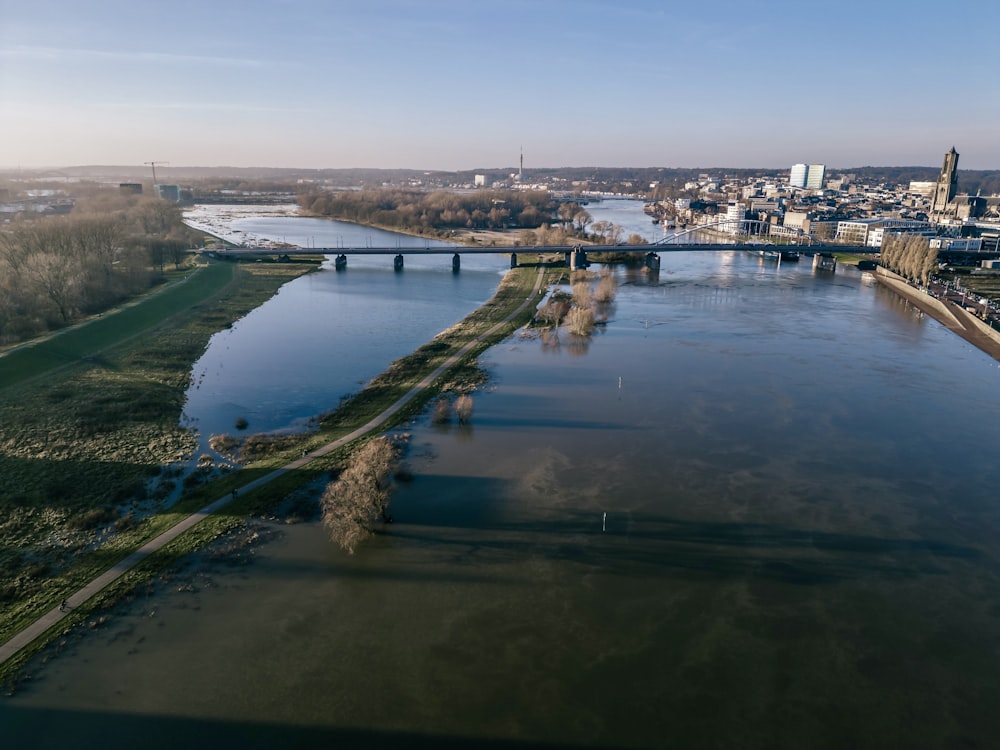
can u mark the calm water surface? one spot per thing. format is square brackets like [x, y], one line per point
[325, 335]
[757, 510]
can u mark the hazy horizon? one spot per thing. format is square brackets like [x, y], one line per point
[442, 85]
[503, 168]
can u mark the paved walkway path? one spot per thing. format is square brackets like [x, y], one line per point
[46, 621]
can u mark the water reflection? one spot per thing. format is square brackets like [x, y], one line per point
[800, 548]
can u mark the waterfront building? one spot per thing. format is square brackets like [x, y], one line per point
[871, 232]
[963, 244]
[735, 214]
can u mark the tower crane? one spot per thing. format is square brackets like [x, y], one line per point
[153, 165]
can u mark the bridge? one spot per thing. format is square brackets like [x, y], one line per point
[745, 234]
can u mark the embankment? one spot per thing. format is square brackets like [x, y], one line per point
[951, 316]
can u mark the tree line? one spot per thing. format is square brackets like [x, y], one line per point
[909, 255]
[57, 269]
[417, 211]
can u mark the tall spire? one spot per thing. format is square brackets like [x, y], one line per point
[947, 183]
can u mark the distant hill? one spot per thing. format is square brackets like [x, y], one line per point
[969, 180]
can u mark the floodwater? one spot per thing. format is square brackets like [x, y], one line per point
[325, 335]
[756, 510]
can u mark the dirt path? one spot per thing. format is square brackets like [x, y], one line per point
[54, 616]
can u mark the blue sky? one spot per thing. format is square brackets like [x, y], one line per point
[464, 84]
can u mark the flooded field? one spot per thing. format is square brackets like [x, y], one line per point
[756, 510]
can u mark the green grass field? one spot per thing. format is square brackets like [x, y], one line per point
[72, 345]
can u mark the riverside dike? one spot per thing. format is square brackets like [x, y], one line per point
[47, 623]
[947, 313]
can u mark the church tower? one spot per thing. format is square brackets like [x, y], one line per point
[947, 183]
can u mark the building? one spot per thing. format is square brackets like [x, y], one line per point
[960, 244]
[947, 183]
[735, 214]
[130, 188]
[871, 232]
[480, 180]
[809, 176]
[169, 193]
[815, 174]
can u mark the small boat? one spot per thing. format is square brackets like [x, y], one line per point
[791, 255]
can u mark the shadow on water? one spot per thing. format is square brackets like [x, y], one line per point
[42, 729]
[463, 528]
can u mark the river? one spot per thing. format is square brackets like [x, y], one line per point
[326, 334]
[757, 509]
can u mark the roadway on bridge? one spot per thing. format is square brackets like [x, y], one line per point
[652, 247]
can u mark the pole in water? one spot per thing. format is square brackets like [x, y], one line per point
[604, 522]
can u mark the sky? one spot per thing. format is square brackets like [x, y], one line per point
[468, 84]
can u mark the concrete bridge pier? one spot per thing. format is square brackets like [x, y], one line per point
[456, 263]
[577, 258]
[340, 262]
[825, 262]
[513, 260]
[652, 261]
[397, 263]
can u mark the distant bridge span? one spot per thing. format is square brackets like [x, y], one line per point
[733, 235]
[575, 256]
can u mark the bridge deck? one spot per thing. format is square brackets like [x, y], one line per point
[678, 247]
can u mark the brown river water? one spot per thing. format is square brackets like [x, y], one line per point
[758, 509]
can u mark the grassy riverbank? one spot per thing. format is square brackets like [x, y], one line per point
[89, 417]
[49, 562]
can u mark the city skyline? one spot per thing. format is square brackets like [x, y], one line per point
[445, 86]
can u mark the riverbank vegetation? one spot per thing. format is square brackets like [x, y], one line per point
[89, 428]
[71, 507]
[911, 256]
[55, 270]
[539, 219]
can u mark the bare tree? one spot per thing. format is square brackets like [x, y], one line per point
[358, 500]
[463, 408]
[582, 294]
[580, 321]
[607, 287]
[442, 411]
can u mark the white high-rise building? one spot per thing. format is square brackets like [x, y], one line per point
[814, 176]
[798, 176]
[735, 214]
[808, 176]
